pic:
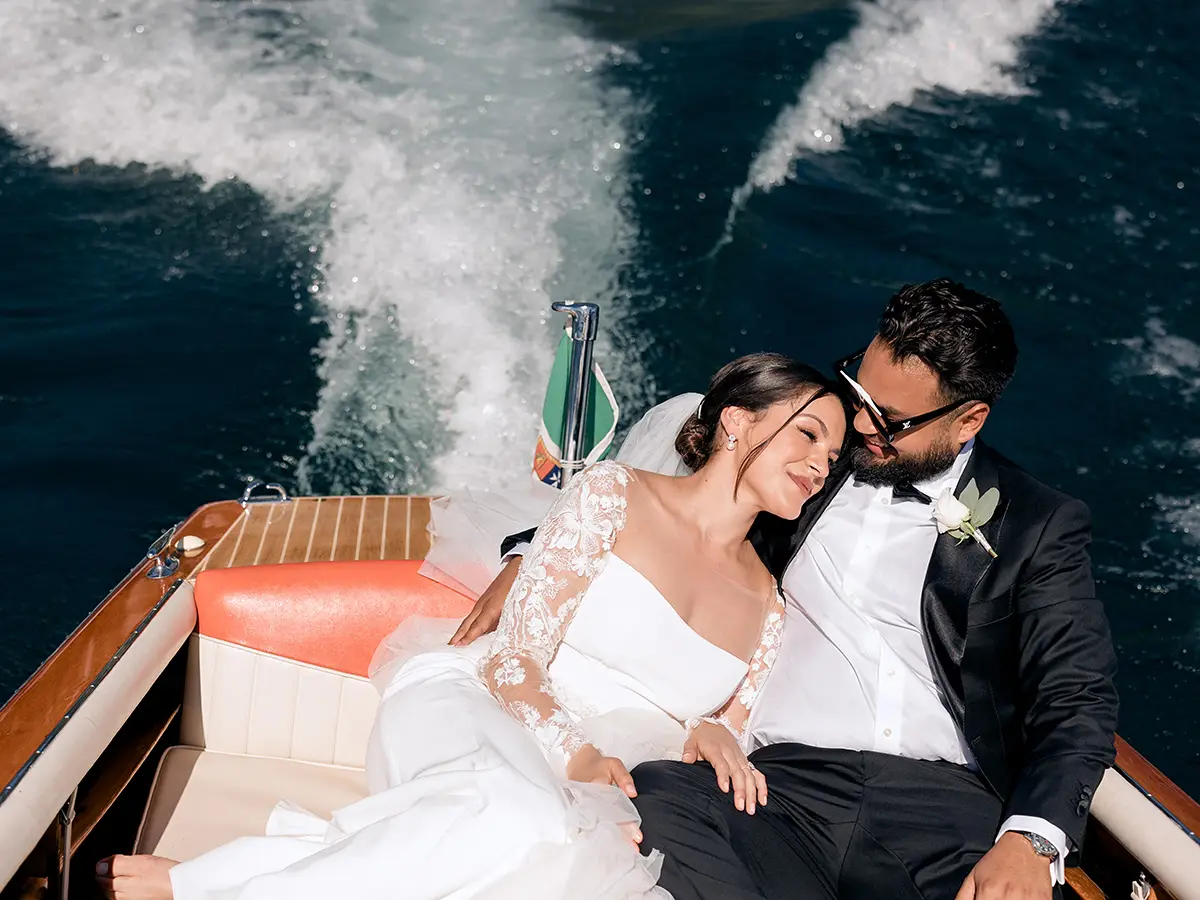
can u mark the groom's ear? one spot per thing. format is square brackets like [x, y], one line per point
[970, 421]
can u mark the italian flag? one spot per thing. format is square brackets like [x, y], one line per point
[598, 430]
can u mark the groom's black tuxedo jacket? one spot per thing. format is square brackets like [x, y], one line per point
[1019, 645]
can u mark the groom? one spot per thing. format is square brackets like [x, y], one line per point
[937, 720]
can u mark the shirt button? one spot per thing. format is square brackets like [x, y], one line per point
[887, 732]
[891, 672]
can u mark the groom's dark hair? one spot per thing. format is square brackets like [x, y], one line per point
[963, 335]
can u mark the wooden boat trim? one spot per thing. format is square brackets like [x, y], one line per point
[46, 702]
[1160, 790]
[263, 532]
[1081, 883]
[15, 780]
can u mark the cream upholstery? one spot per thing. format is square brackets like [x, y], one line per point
[259, 728]
[240, 700]
[30, 809]
[1160, 845]
[203, 799]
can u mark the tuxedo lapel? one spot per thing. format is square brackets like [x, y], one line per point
[954, 573]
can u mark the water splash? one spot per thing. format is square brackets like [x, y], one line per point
[897, 50]
[1172, 358]
[451, 168]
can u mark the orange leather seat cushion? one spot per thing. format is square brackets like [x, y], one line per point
[328, 614]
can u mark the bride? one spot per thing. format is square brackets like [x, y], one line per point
[641, 625]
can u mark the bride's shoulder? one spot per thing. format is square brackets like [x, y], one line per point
[609, 470]
[604, 477]
[617, 478]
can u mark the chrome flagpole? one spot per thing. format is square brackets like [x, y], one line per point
[585, 323]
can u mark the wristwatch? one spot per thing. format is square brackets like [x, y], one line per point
[1041, 846]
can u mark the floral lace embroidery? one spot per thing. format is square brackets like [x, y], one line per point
[568, 551]
[764, 656]
[713, 720]
[736, 713]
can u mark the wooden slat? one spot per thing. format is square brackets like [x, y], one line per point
[281, 524]
[1160, 787]
[302, 528]
[373, 522]
[249, 542]
[325, 530]
[349, 529]
[418, 535]
[399, 512]
[40, 704]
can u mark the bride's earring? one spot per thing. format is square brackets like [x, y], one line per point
[731, 443]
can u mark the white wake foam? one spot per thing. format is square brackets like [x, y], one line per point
[898, 49]
[1173, 358]
[1174, 361]
[459, 163]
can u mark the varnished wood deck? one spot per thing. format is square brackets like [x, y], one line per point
[319, 529]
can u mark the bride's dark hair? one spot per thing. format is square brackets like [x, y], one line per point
[753, 383]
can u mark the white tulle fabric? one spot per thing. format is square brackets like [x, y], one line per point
[469, 525]
[650, 444]
[468, 797]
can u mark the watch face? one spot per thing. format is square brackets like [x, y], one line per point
[1041, 846]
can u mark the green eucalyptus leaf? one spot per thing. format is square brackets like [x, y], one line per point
[985, 508]
[970, 495]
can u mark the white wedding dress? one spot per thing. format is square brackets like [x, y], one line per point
[466, 764]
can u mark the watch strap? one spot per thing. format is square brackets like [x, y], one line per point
[1041, 846]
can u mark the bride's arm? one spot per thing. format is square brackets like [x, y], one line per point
[568, 551]
[735, 714]
[723, 738]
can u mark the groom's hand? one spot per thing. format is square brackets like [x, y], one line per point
[1009, 871]
[485, 614]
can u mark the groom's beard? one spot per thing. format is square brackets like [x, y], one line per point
[909, 469]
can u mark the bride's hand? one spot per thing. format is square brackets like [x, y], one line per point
[590, 766]
[485, 614]
[714, 744]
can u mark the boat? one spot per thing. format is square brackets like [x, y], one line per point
[229, 670]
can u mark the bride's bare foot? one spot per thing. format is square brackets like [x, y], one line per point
[135, 877]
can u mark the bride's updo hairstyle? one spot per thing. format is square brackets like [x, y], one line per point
[753, 383]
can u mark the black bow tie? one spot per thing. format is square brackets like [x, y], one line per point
[908, 492]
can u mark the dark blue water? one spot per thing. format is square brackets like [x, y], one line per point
[188, 300]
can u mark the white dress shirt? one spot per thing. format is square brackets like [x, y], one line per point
[852, 671]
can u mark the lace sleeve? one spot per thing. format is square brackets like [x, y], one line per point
[569, 550]
[736, 713]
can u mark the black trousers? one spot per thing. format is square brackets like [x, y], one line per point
[838, 825]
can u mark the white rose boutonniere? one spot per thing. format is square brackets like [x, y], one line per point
[962, 516]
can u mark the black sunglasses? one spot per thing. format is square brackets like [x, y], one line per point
[888, 429]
